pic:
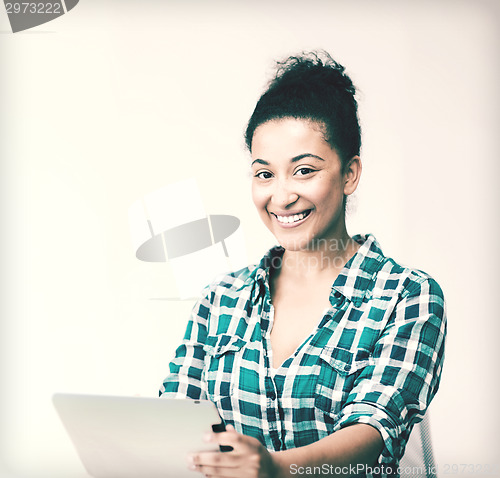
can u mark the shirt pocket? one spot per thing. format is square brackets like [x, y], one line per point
[223, 353]
[338, 371]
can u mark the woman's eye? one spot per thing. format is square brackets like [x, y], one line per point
[304, 171]
[263, 175]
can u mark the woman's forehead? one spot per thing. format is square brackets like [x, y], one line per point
[289, 137]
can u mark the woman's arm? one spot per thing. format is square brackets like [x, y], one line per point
[185, 379]
[346, 452]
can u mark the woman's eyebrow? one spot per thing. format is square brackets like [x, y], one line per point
[305, 155]
[293, 160]
[260, 161]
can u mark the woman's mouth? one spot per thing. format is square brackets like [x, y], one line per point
[292, 218]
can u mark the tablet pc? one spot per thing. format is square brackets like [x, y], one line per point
[136, 437]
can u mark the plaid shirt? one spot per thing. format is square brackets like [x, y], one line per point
[375, 356]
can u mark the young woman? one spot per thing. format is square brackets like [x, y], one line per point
[321, 358]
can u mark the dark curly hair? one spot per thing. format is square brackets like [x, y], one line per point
[312, 86]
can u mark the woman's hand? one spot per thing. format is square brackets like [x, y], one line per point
[248, 459]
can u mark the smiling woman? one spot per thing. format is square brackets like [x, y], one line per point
[327, 353]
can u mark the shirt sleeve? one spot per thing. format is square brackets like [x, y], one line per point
[394, 390]
[186, 378]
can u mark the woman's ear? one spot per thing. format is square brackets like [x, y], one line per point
[352, 174]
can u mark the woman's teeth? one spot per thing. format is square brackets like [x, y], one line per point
[291, 219]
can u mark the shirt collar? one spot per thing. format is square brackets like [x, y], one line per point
[259, 277]
[354, 282]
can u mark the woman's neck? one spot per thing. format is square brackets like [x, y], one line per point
[323, 257]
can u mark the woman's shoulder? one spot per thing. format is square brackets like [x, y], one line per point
[413, 281]
[393, 274]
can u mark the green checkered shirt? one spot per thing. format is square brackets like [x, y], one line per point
[375, 356]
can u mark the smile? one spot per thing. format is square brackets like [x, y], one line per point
[292, 218]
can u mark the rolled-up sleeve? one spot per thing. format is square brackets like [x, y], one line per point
[186, 378]
[394, 390]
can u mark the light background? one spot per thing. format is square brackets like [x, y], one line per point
[116, 99]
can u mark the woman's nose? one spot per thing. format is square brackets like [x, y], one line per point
[283, 195]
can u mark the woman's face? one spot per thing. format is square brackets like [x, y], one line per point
[298, 186]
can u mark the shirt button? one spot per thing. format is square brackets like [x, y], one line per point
[272, 396]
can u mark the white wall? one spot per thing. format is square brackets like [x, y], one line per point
[116, 99]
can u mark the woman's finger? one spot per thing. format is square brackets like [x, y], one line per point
[214, 464]
[240, 443]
